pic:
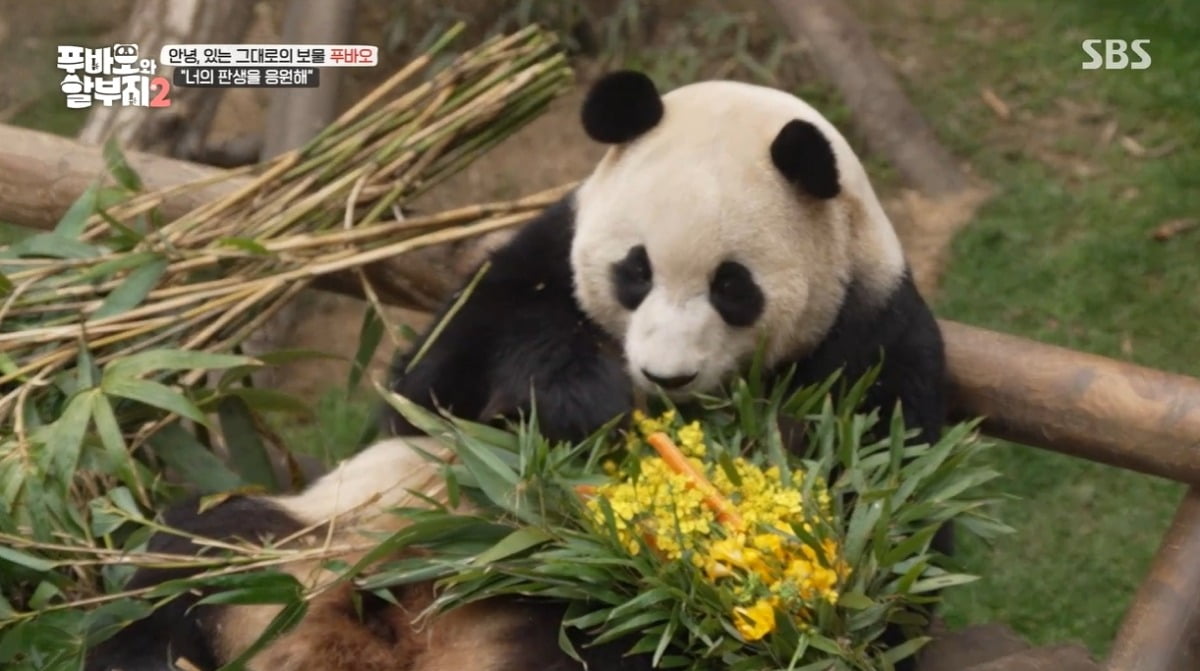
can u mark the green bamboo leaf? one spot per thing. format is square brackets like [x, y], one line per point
[630, 625]
[862, 526]
[855, 601]
[487, 434]
[123, 500]
[905, 650]
[180, 450]
[172, 359]
[495, 478]
[270, 400]
[85, 368]
[43, 594]
[64, 439]
[75, 218]
[983, 527]
[370, 334]
[6, 285]
[256, 588]
[424, 420]
[247, 452]
[109, 431]
[941, 582]
[9, 367]
[642, 601]
[106, 269]
[132, 290]
[123, 238]
[118, 166]
[515, 543]
[407, 572]
[102, 622]
[154, 394]
[51, 245]
[27, 560]
[244, 244]
[908, 547]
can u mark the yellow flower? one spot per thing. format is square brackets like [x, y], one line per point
[754, 621]
[769, 543]
[691, 440]
[758, 562]
[648, 425]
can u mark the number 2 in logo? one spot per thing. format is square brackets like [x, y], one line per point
[160, 87]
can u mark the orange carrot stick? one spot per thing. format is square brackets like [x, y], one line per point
[586, 491]
[677, 462]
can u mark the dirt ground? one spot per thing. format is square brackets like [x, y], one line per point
[550, 151]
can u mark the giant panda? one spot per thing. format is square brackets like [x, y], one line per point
[724, 217]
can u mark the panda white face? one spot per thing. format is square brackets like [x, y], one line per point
[693, 247]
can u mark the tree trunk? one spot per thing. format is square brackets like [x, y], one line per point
[181, 129]
[294, 117]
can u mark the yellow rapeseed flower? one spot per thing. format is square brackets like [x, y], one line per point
[762, 565]
[755, 621]
[691, 440]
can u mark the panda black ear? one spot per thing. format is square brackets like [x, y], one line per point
[621, 106]
[805, 157]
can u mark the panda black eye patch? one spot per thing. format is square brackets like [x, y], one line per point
[735, 294]
[632, 277]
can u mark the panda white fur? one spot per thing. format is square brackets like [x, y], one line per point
[723, 216]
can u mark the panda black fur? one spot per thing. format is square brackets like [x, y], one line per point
[723, 214]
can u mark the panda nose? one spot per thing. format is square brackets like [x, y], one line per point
[672, 382]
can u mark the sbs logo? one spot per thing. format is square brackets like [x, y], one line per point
[1116, 56]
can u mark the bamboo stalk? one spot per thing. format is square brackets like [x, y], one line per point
[307, 213]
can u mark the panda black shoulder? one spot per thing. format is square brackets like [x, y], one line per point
[539, 252]
[899, 333]
[517, 338]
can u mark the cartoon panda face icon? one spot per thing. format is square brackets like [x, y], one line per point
[125, 54]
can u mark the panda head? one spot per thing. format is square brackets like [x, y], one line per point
[723, 217]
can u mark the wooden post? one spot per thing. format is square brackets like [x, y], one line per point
[1161, 629]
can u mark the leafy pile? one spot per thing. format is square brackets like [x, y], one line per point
[707, 543]
[121, 377]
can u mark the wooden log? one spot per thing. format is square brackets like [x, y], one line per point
[42, 174]
[1079, 404]
[1159, 632]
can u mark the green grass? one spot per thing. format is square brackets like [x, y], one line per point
[1069, 260]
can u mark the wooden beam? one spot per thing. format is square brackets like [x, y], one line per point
[1079, 404]
[1161, 629]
